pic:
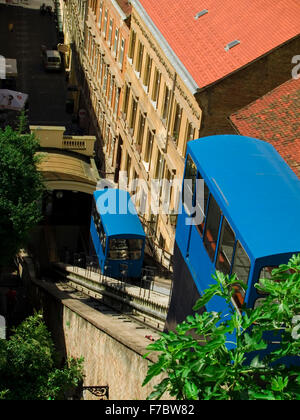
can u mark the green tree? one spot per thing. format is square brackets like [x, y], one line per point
[211, 365]
[21, 188]
[27, 365]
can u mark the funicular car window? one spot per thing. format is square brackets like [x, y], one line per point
[212, 227]
[125, 249]
[99, 227]
[241, 267]
[102, 236]
[265, 273]
[201, 204]
[135, 248]
[226, 248]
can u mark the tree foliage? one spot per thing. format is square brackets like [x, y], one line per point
[21, 188]
[27, 365]
[231, 357]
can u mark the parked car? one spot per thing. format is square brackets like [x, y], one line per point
[51, 60]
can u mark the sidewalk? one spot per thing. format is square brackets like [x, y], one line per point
[47, 91]
[28, 4]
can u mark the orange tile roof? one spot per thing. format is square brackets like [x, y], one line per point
[260, 26]
[275, 118]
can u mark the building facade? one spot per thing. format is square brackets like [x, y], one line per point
[97, 33]
[159, 116]
[154, 78]
[142, 112]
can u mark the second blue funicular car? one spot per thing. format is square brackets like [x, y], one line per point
[117, 234]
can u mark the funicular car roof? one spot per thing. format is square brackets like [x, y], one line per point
[118, 221]
[256, 189]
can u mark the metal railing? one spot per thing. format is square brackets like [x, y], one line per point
[90, 264]
[158, 253]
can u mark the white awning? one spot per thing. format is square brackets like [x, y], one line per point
[9, 99]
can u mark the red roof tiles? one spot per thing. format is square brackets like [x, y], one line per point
[275, 118]
[260, 26]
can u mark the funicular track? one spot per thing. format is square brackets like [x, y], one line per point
[131, 303]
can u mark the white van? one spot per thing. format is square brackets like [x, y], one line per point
[51, 60]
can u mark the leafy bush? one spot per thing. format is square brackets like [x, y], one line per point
[27, 365]
[201, 360]
[21, 188]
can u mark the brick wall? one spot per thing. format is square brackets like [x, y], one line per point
[219, 101]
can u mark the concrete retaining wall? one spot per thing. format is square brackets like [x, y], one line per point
[112, 352]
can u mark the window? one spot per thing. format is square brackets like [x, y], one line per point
[121, 56]
[202, 200]
[241, 267]
[149, 147]
[189, 185]
[162, 241]
[116, 41]
[133, 115]
[111, 22]
[125, 249]
[105, 79]
[266, 273]
[93, 6]
[143, 203]
[111, 89]
[100, 15]
[132, 45]
[156, 86]
[189, 135]
[92, 51]
[166, 105]
[99, 227]
[177, 123]
[117, 99]
[141, 130]
[128, 166]
[166, 191]
[53, 60]
[139, 60]
[105, 23]
[126, 99]
[82, 10]
[88, 42]
[160, 166]
[147, 72]
[102, 64]
[212, 227]
[190, 132]
[96, 61]
[102, 236]
[226, 248]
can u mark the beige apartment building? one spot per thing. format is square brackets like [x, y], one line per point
[159, 116]
[142, 107]
[98, 35]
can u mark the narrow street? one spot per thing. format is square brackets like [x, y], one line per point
[22, 32]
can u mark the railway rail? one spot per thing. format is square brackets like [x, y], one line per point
[133, 303]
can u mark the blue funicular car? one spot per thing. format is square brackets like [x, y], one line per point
[250, 207]
[117, 234]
